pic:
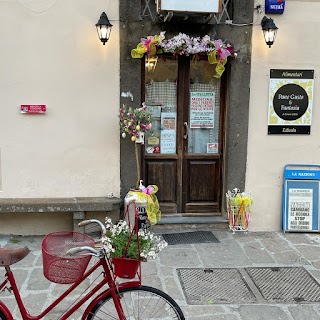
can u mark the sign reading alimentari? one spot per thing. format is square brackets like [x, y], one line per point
[290, 101]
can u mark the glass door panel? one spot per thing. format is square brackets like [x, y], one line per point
[204, 109]
[161, 99]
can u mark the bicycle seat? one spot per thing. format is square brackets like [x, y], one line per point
[9, 256]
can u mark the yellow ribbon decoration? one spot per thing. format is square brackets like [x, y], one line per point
[212, 57]
[219, 70]
[153, 209]
[152, 50]
[139, 51]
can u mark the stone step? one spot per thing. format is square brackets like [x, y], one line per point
[187, 223]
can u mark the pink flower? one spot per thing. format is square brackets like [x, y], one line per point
[222, 53]
[147, 42]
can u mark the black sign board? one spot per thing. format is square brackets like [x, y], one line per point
[290, 101]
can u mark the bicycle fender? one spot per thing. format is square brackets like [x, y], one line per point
[107, 293]
[6, 312]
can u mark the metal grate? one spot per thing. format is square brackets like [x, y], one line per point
[190, 237]
[288, 284]
[208, 286]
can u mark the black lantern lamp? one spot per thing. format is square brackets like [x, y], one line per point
[269, 30]
[104, 28]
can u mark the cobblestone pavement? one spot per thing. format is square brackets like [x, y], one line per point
[239, 250]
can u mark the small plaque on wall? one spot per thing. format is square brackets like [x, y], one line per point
[33, 108]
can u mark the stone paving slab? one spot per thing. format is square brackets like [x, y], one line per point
[239, 250]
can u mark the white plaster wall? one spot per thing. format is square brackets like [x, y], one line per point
[296, 47]
[51, 54]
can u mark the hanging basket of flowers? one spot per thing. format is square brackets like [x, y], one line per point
[128, 247]
[239, 205]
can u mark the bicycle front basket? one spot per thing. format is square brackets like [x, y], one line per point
[59, 267]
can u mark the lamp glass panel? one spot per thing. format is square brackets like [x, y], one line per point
[104, 32]
[270, 35]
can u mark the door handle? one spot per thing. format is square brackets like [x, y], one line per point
[186, 129]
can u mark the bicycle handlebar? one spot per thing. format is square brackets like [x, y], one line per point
[101, 225]
[74, 251]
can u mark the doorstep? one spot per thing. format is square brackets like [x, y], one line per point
[187, 223]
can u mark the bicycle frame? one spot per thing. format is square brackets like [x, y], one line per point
[108, 279]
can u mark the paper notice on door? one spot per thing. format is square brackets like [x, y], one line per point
[202, 109]
[168, 142]
[212, 147]
[155, 111]
[168, 121]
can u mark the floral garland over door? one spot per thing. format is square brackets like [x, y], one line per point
[182, 44]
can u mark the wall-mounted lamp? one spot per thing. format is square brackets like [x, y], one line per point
[269, 30]
[151, 63]
[104, 28]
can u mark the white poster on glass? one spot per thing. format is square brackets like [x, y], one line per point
[202, 109]
[168, 142]
[300, 209]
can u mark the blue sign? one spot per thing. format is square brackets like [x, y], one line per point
[274, 6]
[302, 174]
[300, 203]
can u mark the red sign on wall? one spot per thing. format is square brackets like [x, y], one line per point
[33, 108]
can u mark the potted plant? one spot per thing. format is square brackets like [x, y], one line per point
[239, 205]
[127, 248]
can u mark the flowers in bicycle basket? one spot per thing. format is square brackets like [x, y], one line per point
[120, 241]
[236, 198]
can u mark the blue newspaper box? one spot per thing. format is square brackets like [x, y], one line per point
[300, 201]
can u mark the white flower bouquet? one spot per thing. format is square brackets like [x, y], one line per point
[120, 241]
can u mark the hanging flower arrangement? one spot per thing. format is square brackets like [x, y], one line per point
[133, 121]
[182, 44]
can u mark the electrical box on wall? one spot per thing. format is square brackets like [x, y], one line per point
[274, 6]
[212, 6]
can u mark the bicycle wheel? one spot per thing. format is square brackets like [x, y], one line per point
[2, 316]
[143, 303]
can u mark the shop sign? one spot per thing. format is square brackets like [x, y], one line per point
[202, 109]
[214, 6]
[33, 108]
[275, 6]
[290, 101]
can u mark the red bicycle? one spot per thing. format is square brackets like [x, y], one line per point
[109, 299]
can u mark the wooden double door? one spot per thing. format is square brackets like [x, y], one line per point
[182, 154]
